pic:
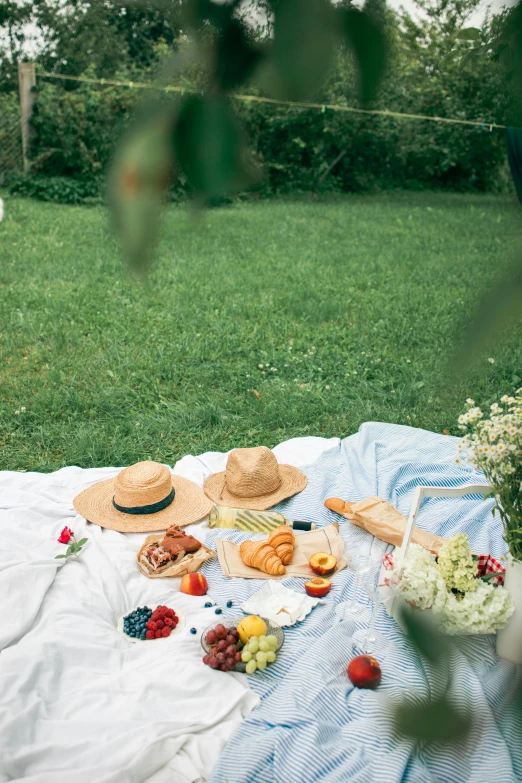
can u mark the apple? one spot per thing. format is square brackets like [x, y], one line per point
[194, 584]
[323, 563]
[318, 587]
[364, 671]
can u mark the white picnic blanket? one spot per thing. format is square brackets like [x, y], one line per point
[78, 702]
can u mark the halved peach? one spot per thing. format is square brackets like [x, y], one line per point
[318, 587]
[323, 563]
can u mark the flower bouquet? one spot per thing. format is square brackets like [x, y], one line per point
[494, 446]
[463, 591]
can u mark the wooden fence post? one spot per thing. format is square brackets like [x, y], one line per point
[26, 81]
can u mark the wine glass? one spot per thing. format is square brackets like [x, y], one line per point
[365, 562]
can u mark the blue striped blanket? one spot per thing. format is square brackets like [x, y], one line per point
[311, 724]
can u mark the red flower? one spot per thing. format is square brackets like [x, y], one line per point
[65, 535]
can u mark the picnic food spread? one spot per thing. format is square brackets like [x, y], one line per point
[308, 681]
[147, 495]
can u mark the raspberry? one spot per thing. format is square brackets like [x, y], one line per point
[149, 635]
[169, 621]
[165, 631]
[158, 634]
[159, 624]
[170, 613]
[151, 626]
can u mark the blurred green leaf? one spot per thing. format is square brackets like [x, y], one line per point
[209, 146]
[501, 306]
[506, 59]
[469, 61]
[140, 176]
[436, 721]
[236, 56]
[423, 633]
[367, 40]
[468, 34]
[305, 37]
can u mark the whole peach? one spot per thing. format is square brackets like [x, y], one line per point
[194, 584]
[364, 671]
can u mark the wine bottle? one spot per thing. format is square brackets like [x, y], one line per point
[252, 521]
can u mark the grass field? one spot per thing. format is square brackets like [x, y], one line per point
[352, 306]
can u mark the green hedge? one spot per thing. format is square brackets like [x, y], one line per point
[76, 130]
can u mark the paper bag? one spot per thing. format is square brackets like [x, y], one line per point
[383, 521]
[325, 539]
[186, 565]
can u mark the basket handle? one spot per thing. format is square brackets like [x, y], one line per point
[434, 492]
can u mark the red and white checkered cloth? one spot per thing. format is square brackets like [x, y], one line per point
[486, 564]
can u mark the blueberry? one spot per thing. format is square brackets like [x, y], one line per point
[218, 611]
[193, 630]
[208, 605]
[229, 604]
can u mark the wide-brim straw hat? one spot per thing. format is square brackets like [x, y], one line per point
[254, 479]
[143, 498]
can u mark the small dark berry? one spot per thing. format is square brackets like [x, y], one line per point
[193, 630]
[229, 604]
[208, 605]
[219, 611]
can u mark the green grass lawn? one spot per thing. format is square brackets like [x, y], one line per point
[335, 312]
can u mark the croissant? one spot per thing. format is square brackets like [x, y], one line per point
[259, 554]
[282, 539]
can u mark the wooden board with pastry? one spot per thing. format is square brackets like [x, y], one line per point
[282, 554]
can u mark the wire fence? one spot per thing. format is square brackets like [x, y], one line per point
[11, 155]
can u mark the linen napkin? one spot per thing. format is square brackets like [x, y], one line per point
[324, 539]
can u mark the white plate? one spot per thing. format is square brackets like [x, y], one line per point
[280, 604]
[179, 627]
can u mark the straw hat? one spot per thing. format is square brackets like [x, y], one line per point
[254, 479]
[143, 498]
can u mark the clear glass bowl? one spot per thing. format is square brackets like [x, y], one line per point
[233, 622]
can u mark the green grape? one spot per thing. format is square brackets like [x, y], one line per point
[253, 646]
[270, 656]
[261, 639]
[261, 657]
[253, 639]
[263, 645]
[251, 667]
[246, 656]
[272, 641]
[261, 665]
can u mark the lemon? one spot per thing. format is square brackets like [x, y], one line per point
[251, 626]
